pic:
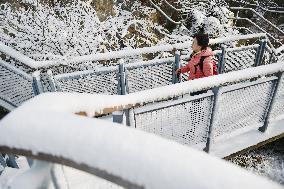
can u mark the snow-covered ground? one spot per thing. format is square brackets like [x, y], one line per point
[267, 161]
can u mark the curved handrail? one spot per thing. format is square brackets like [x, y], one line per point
[127, 157]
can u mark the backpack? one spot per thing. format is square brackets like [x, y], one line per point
[200, 64]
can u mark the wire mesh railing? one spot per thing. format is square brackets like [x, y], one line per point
[220, 113]
[16, 86]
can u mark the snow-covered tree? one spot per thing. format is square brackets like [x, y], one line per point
[210, 17]
[46, 32]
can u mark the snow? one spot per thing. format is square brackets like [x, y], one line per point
[70, 178]
[36, 177]
[133, 155]
[15, 70]
[278, 50]
[228, 146]
[17, 55]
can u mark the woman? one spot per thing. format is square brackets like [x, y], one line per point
[201, 61]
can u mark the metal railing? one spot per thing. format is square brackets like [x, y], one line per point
[224, 111]
[275, 9]
[265, 23]
[26, 66]
[134, 77]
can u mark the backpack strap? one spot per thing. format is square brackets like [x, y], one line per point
[200, 64]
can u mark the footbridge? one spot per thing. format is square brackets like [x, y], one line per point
[243, 106]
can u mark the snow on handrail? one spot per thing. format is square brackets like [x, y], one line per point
[116, 54]
[93, 105]
[124, 156]
[260, 16]
[17, 55]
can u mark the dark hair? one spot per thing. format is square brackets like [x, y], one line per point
[202, 40]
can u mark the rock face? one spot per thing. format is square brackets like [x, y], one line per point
[104, 8]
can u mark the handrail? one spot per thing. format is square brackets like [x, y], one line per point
[16, 70]
[269, 10]
[118, 160]
[259, 15]
[163, 13]
[258, 27]
[17, 55]
[170, 5]
[111, 103]
[257, 5]
[115, 54]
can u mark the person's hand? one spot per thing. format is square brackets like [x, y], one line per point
[178, 71]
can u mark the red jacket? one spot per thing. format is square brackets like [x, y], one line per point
[207, 65]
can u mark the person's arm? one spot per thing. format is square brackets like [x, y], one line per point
[183, 69]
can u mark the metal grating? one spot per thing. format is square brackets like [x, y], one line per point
[103, 83]
[238, 59]
[185, 122]
[14, 87]
[148, 76]
[278, 107]
[247, 108]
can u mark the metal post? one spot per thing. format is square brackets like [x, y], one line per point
[37, 85]
[176, 65]
[222, 60]
[275, 90]
[260, 53]
[257, 55]
[117, 116]
[51, 81]
[263, 44]
[217, 94]
[122, 77]
[11, 162]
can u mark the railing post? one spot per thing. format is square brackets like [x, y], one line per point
[221, 63]
[37, 85]
[264, 42]
[11, 162]
[122, 78]
[117, 116]
[260, 53]
[275, 90]
[51, 81]
[217, 94]
[176, 65]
